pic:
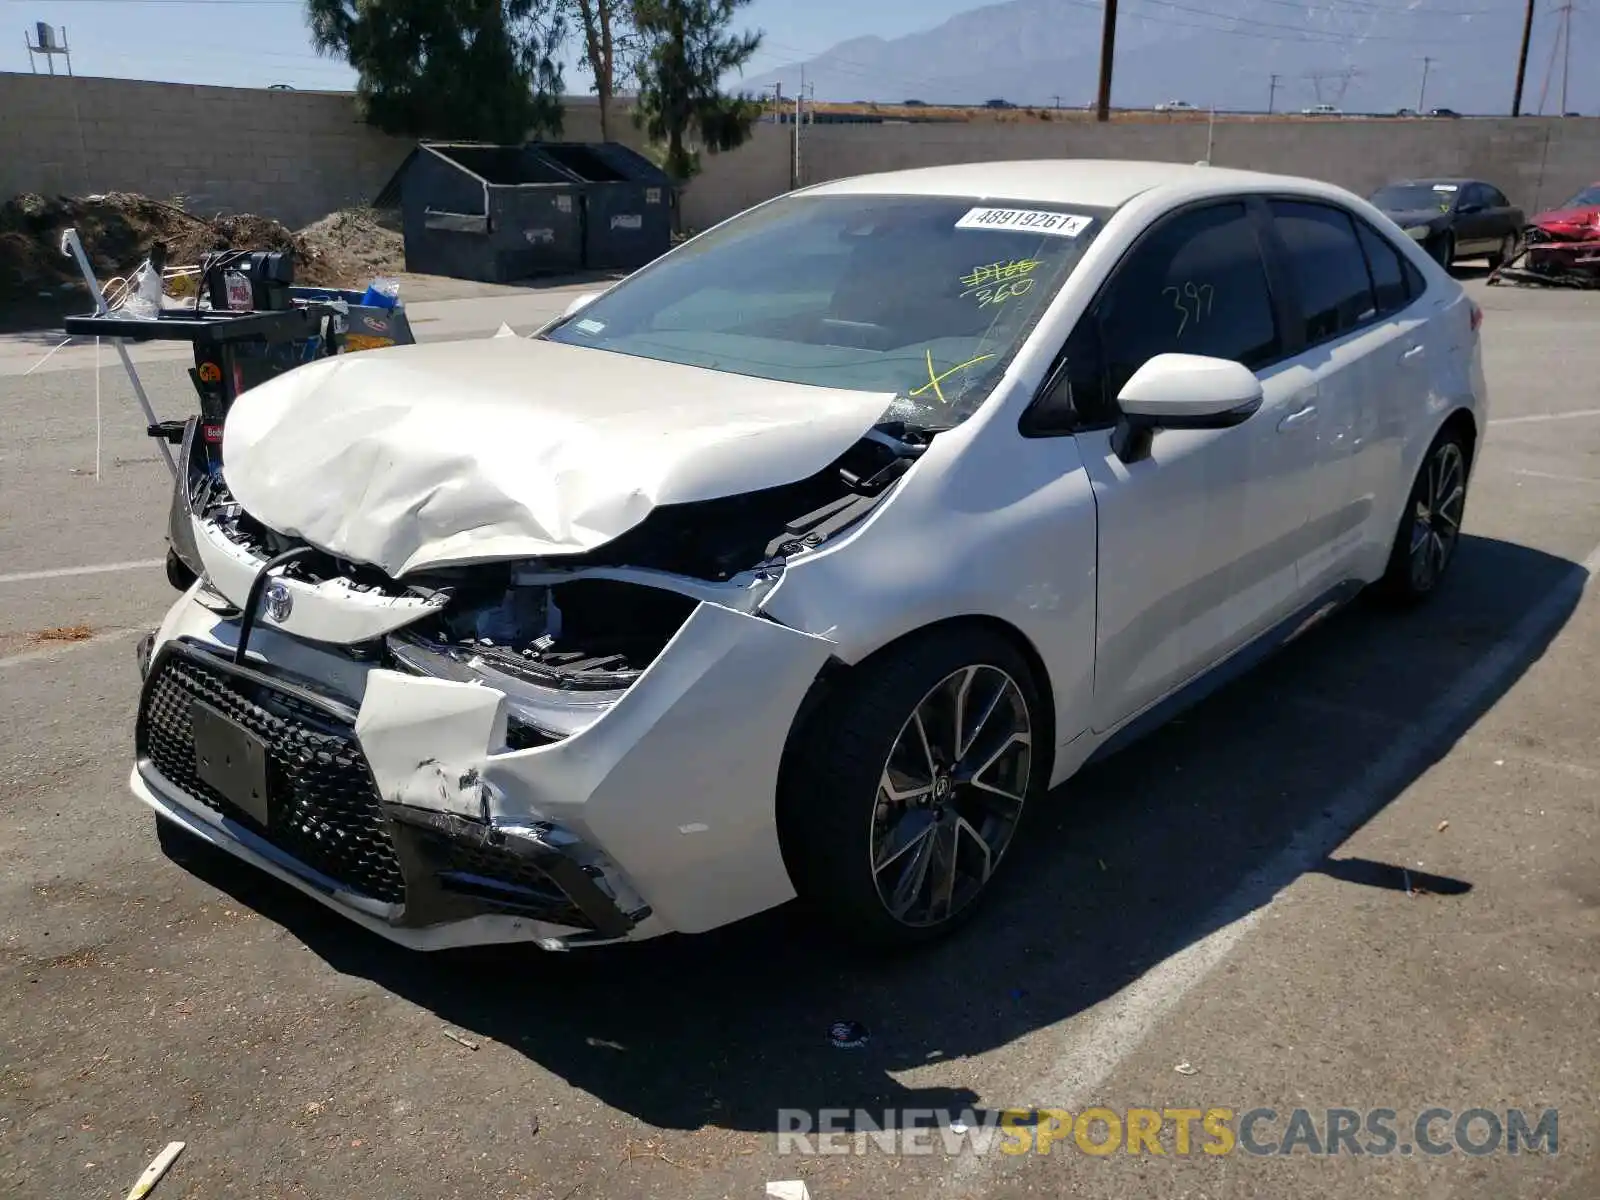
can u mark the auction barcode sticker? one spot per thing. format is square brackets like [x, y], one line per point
[1025, 220]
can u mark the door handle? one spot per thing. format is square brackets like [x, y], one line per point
[1413, 352]
[1295, 419]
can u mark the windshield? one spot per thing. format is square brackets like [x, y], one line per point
[1409, 197]
[925, 297]
[1588, 198]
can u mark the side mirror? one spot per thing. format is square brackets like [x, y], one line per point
[1182, 391]
[583, 301]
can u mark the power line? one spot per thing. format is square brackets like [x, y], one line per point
[1301, 29]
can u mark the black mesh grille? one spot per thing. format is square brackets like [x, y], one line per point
[461, 864]
[325, 810]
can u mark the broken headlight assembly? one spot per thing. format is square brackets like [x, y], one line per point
[562, 653]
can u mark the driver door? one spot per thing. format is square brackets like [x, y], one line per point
[1199, 541]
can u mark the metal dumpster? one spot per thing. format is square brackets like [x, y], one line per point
[491, 213]
[627, 202]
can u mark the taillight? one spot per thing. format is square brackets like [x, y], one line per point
[1477, 315]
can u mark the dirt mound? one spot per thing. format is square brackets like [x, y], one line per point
[344, 249]
[360, 242]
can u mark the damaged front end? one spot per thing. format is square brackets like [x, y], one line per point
[574, 749]
[1566, 256]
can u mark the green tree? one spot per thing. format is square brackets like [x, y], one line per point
[685, 52]
[610, 49]
[483, 70]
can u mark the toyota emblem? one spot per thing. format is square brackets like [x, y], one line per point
[278, 602]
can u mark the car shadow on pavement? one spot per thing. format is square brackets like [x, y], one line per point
[1133, 860]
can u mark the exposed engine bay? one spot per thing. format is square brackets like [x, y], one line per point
[581, 626]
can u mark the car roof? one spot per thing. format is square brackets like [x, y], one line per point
[1094, 183]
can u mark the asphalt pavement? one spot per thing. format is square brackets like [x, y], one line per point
[1366, 877]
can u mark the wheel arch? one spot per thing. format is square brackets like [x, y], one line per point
[1462, 421]
[836, 673]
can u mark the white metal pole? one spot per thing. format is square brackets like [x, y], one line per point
[70, 242]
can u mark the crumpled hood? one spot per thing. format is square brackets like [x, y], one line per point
[498, 448]
[1565, 216]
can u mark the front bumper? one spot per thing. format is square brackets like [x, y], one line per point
[395, 799]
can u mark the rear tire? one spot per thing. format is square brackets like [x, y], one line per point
[1430, 525]
[900, 797]
[1445, 250]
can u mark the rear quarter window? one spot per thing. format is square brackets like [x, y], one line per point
[1389, 283]
[1329, 269]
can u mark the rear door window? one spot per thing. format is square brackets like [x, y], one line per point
[1328, 267]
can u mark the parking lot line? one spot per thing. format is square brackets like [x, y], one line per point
[1557, 478]
[1121, 1023]
[1533, 418]
[94, 569]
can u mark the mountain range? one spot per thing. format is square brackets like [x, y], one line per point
[1361, 55]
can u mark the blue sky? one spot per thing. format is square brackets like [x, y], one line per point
[252, 43]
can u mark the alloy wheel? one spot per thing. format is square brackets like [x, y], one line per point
[950, 795]
[1436, 525]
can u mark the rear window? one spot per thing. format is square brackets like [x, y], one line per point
[928, 298]
[1328, 267]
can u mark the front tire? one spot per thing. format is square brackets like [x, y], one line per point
[1430, 526]
[901, 796]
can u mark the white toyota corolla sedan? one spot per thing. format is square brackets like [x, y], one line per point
[806, 559]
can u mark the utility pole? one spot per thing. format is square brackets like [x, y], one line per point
[1422, 93]
[1057, 100]
[1567, 48]
[1272, 94]
[1522, 61]
[1108, 44]
[794, 171]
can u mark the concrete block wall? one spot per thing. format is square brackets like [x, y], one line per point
[295, 156]
[299, 155]
[1536, 161]
[291, 155]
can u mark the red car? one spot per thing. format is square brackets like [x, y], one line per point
[1566, 240]
[1576, 220]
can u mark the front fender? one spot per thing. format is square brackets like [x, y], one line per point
[995, 526]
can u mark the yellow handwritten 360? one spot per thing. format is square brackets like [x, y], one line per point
[993, 282]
